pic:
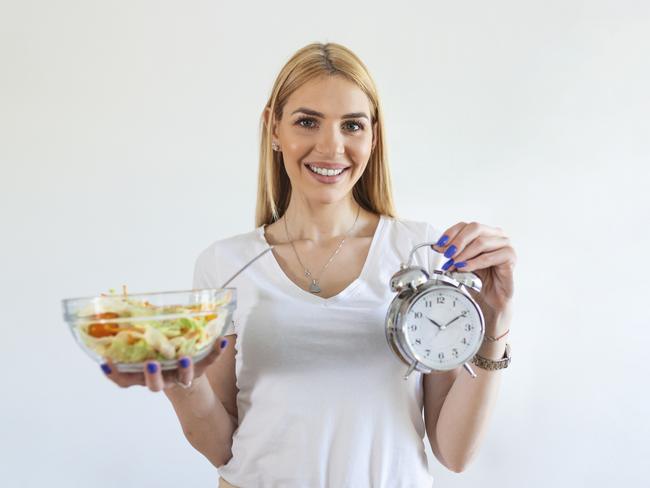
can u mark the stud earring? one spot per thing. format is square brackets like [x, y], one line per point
[275, 146]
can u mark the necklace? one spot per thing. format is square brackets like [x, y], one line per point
[313, 286]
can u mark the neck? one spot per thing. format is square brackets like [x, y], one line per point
[319, 222]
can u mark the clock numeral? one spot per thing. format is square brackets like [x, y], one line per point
[428, 302]
[418, 315]
[428, 351]
[440, 300]
[413, 327]
[464, 341]
[418, 341]
[454, 351]
[464, 313]
[455, 302]
[441, 356]
[469, 327]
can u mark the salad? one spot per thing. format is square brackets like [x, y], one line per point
[127, 330]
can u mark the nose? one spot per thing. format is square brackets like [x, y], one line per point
[330, 142]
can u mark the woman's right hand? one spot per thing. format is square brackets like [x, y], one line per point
[156, 380]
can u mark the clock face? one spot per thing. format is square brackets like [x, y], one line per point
[443, 328]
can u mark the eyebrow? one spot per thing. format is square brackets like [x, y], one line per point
[353, 115]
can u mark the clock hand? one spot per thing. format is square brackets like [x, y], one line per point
[453, 320]
[441, 327]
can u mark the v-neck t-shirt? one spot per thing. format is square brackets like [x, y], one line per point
[322, 399]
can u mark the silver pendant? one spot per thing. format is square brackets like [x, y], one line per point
[314, 288]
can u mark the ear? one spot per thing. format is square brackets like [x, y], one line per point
[268, 117]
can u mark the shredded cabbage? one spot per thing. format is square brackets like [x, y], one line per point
[142, 340]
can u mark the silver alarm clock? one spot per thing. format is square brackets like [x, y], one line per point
[433, 323]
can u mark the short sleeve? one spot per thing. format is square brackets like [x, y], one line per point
[205, 276]
[435, 259]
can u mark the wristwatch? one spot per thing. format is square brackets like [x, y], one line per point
[491, 365]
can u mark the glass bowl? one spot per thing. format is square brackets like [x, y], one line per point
[135, 328]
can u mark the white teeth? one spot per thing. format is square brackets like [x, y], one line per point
[326, 172]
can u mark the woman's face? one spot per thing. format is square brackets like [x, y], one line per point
[325, 128]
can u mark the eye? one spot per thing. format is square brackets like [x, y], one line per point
[308, 121]
[353, 125]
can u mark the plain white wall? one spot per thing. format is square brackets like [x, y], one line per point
[128, 143]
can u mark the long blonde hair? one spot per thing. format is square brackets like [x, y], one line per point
[373, 191]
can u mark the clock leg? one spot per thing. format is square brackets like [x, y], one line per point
[410, 370]
[469, 369]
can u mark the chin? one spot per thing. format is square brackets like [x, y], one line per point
[327, 197]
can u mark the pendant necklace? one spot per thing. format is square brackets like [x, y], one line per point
[314, 286]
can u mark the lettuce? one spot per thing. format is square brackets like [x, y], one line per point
[121, 351]
[144, 339]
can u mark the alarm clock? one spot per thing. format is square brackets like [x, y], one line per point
[434, 323]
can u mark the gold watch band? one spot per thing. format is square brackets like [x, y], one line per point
[490, 364]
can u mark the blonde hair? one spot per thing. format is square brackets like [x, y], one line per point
[373, 191]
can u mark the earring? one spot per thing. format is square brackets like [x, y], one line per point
[275, 146]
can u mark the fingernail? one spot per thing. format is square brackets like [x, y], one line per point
[447, 265]
[450, 252]
[152, 367]
[462, 264]
[224, 343]
[106, 368]
[442, 241]
[184, 362]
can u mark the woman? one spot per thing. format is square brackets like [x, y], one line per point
[304, 391]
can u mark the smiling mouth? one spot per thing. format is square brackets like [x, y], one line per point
[326, 171]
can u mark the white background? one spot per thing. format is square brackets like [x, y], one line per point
[128, 143]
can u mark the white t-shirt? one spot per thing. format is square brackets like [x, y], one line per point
[322, 400]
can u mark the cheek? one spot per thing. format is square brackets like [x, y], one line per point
[293, 150]
[360, 150]
[295, 146]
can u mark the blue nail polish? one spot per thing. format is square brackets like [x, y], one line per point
[152, 367]
[442, 241]
[462, 264]
[447, 265]
[224, 343]
[106, 368]
[184, 362]
[451, 251]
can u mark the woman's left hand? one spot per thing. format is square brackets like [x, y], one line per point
[487, 252]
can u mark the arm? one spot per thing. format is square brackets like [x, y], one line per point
[207, 410]
[457, 407]
[205, 422]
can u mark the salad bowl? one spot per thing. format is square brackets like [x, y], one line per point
[131, 329]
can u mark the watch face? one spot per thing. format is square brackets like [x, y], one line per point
[443, 328]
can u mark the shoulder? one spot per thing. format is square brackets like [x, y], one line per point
[413, 229]
[225, 252]
[230, 244]
[404, 234]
